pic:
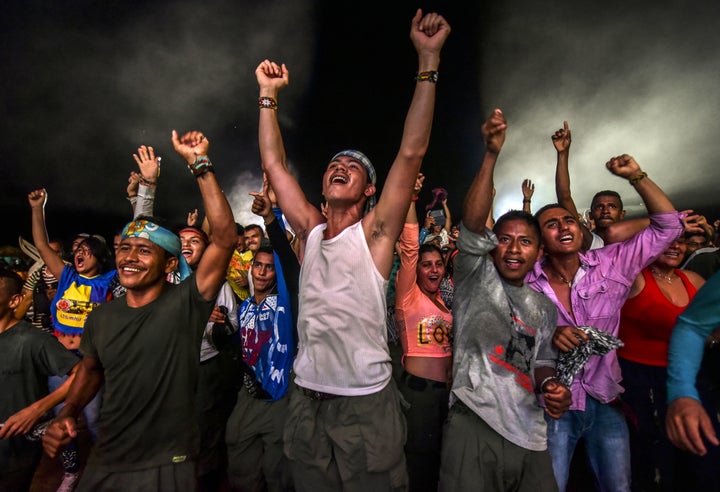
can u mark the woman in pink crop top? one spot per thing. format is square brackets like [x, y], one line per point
[425, 325]
[658, 296]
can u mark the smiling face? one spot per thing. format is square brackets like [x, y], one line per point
[560, 232]
[142, 264]
[673, 256]
[346, 179]
[253, 238]
[192, 247]
[430, 271]
[517, 251]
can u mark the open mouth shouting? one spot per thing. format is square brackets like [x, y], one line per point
[513, 263]
[339, 179]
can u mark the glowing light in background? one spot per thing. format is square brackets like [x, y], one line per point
[642, 81]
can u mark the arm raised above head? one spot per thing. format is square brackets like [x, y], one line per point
[428, 34]
[479, 198]
[300, 213]
[210, 273]
[562, 139]
[655, 199]
[37, 200]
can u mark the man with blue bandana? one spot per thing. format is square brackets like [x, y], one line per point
[345, 429]
[144, 347]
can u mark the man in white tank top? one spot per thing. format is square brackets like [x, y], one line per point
[345, 429]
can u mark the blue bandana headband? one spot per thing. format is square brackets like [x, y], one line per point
[372, 175]
[156, 234]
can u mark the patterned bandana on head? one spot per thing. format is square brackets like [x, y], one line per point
[154, 233]
[372, 176]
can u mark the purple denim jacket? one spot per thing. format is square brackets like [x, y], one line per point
[599, 289]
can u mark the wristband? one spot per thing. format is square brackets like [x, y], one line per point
[636, 179]
[147, 182]
[526, 200]
[200, 166]
[545, 381]
[429, 76]
[267, 102]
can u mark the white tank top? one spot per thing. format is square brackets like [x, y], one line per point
[341, 324]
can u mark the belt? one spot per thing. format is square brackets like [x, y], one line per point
[421, 384]
[316, 395]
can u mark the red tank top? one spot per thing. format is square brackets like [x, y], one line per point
[647, 320]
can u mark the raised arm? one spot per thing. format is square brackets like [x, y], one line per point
[265, 205]
[408, 248]
[448, 216]
[490, 221]
[478, 201]
[300, 213]
[132, 189]
[149, 166]
[561, 140]
[210, 273]
[654, 198]
[37, 200]
[428, 34]
[528, 189]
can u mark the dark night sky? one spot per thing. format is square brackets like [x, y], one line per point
[84, 83]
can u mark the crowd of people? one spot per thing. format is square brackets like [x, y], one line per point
[367, 345]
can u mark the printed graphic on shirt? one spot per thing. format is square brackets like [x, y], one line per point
[74, 305]
[433, 330]
[255, 335]
[237, 273]
[517, 355]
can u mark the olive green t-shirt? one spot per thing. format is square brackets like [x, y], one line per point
[149, 357]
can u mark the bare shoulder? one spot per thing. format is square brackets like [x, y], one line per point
[694, 278]
[637, 286]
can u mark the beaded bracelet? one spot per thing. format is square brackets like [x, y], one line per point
[635, 180]
[429, 76]
[200, 166]
[267, 102]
